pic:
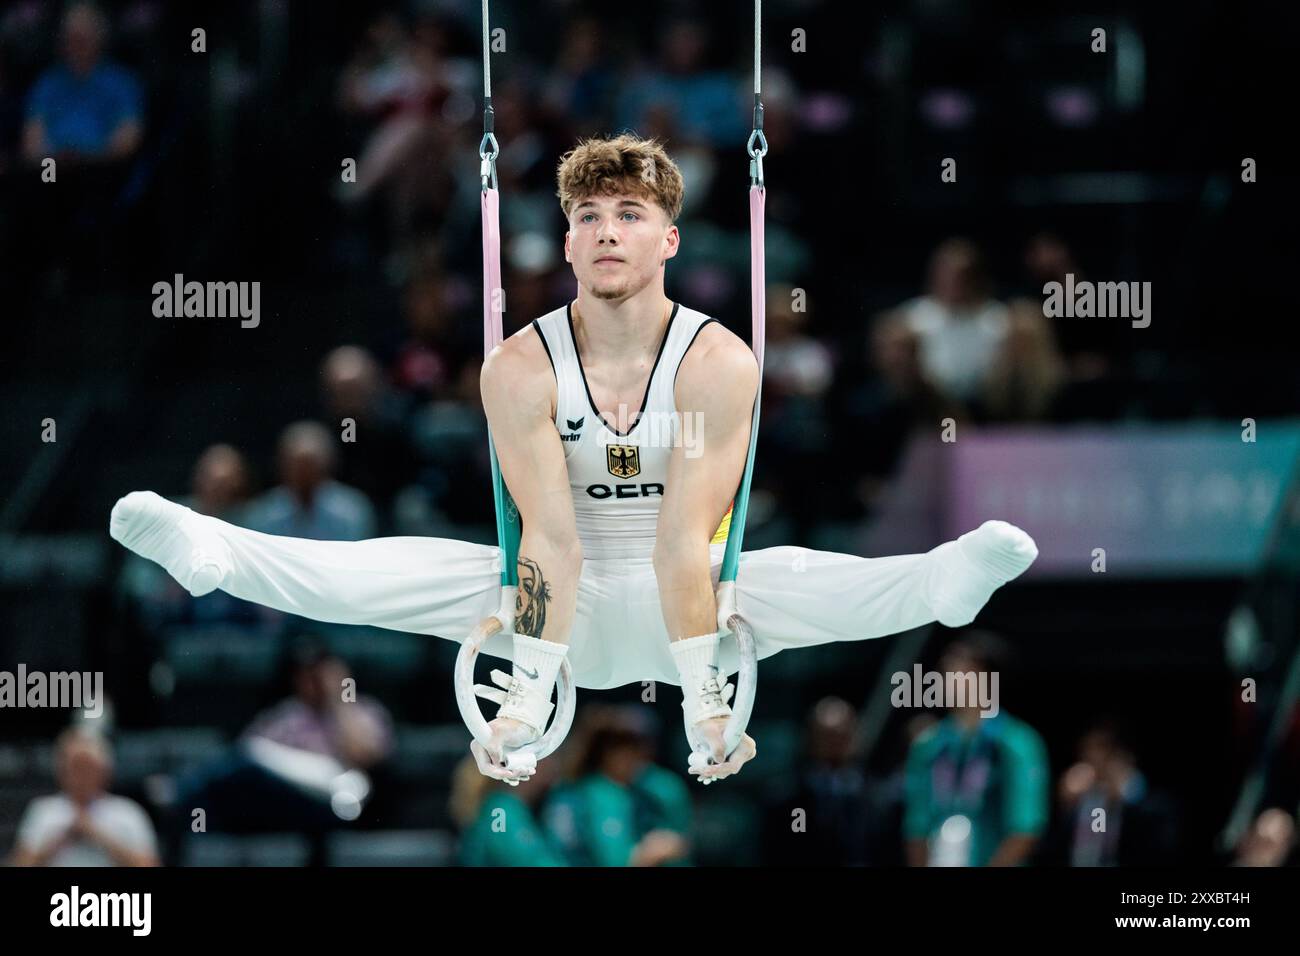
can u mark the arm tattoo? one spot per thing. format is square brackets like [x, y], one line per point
[531, 599]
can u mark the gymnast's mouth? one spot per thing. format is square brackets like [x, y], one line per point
[608, 259]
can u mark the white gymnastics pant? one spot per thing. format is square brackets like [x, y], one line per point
[792, 597]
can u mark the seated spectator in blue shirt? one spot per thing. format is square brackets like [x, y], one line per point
[84, 109]
[309, 503]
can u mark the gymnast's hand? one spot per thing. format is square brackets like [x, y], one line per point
[507, 734]
[711, 732]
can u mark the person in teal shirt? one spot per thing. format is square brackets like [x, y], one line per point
[976, 791]
[499, 824]
[620, 808]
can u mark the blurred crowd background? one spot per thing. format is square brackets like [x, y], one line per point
[896, 301]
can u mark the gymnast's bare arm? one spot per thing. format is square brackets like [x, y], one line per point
[518, 389]
[714, 393]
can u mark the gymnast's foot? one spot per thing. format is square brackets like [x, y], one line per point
[966, 572]
[175, 537]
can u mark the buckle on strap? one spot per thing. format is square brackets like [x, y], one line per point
[510, 690]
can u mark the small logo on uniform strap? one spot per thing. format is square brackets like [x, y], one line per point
[575, 429]
[531, 675]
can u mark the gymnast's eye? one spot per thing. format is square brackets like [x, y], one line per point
[632, 214]
[587, 217]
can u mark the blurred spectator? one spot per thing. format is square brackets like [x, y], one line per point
[707, 104]
[886, 842]
[397, 84]
[832, 790]
[1138, 826]
[86, 108]
[426, 361]
[960, 325]
[888, 407]
[322, 718]
[976, 786]
[87, 114]
[536, 276]
[220, 483]
[581, 81]
[380, 460]
[304, 765]
[498, 822]
[1084, 344]
[1269, 841]
[84, 824]
[620, 808]
[451, 434]
[1027, 372]
[1048, 258]
[795, 365]
[219, 488]
[309, 503]
[797, 372]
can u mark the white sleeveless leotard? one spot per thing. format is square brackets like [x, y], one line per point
[618, 479]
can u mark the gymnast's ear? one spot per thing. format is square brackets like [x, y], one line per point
[674, 240]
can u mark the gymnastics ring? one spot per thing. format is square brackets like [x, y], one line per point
[525, 757]
[731, 620]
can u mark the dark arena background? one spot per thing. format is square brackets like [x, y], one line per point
[934, 167]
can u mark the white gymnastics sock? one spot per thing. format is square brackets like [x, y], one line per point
[536, 664]
[703, 692]
[175, 537]
[965, 573]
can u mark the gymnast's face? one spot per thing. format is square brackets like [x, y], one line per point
[618, 244]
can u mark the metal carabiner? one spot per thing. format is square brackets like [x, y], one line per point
[488, 151]
[756, 156]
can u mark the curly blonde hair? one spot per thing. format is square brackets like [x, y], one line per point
[624, 164]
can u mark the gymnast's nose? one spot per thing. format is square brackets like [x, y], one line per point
[606, 234]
